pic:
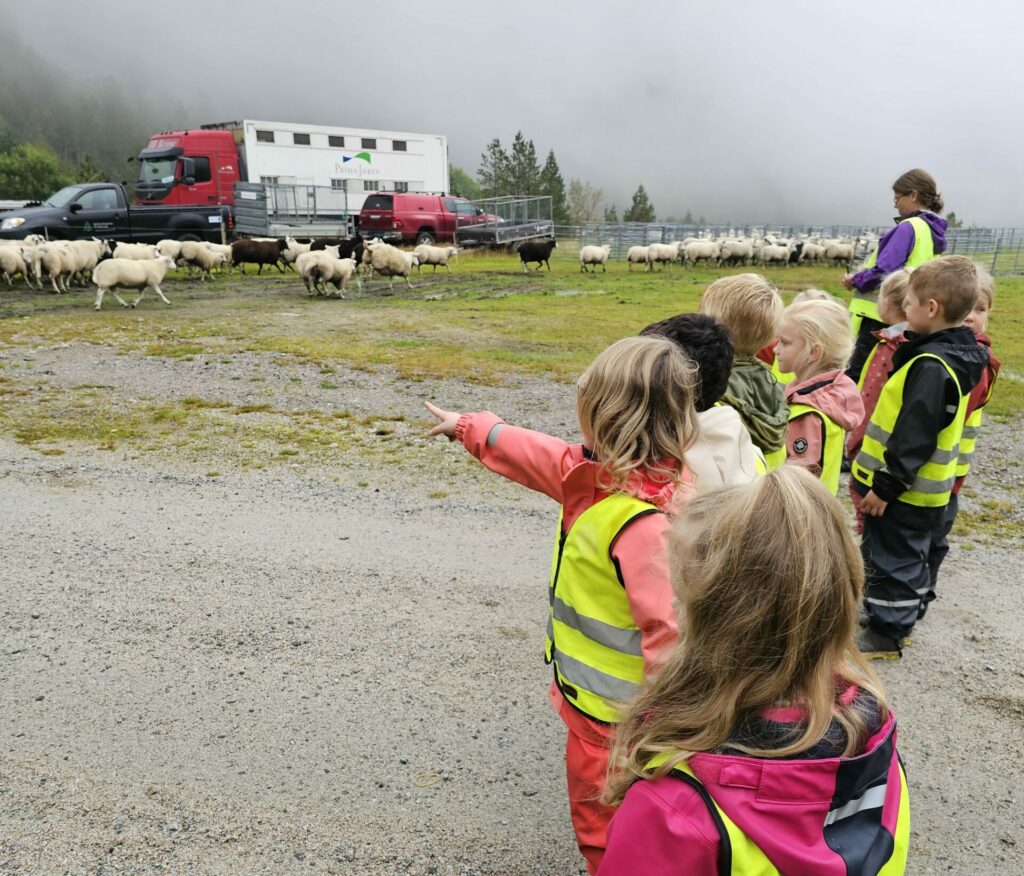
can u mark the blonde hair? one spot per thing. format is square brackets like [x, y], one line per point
[814, 295]
[748, 305]
[953, 281]
[770, 584]
[635, 405]
[986, 286]
[894, 288]
[825, 324]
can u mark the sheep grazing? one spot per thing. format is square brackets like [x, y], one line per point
[257, 252]
[389, 261]
[637, 255]
[116, 273]
[538, 251]
[135, 251]
[594, 255]
[702, 251]
[662, 253]
[435, 255]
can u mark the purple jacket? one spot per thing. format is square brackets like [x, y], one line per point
[894, 250]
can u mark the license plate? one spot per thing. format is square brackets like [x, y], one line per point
[375, 216]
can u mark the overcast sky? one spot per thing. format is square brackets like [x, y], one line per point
[786, 111]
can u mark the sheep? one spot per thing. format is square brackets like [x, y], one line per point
[812, 252]
[293, 249]
[87, 254]
[135, 251]
[662, 252]
[702, 250]
[636, 255]
[594, 255]
[131, 274]
[337, 272]
[795, 252]
[774, 253]
[169, 248]
[435, 255]
[840, 253]
[56, 261]
[257, 252]
[538, 251]
[202, 257]
[735, 252]
[221, 248]
[307, 267]
[389, 261]
[11, 263]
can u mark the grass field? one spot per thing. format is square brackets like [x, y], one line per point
[485, 322]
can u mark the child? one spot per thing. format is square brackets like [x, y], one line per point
[814, 343]
[611, 620]
[907, 462]
[750, 307]
[766, 740]
[723, 454]
[767, 353]
[977, 322]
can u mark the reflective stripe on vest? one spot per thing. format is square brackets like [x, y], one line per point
[934, 480]
[832, 452]
[968, 441]
[593, 639]
[865, 304]
[739, 855]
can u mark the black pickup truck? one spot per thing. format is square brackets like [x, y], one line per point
[102, 210]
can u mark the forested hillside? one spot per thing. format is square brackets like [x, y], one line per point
[56, 127]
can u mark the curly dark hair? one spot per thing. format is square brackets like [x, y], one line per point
[708, 343]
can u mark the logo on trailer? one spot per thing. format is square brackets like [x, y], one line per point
[365, 156]
[359, 167]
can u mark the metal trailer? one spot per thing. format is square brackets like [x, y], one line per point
[517, 218]
[353, 162]
[299, 211]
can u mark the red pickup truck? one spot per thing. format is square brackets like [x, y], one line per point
[418, 218]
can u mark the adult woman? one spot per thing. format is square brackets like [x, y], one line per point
[919, 236]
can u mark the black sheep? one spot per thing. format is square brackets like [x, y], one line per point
[538, 251]
[257, 252]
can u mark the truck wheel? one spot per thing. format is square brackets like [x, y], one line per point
[425, 238]
[189, 235]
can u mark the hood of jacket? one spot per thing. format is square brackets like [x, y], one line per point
[758, 398]
[723, 454]
[828, 816]
[957, 346]
[583, 485]
[832, 393]
[937, 224]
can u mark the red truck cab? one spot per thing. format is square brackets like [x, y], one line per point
[415, 217]
[189, 167]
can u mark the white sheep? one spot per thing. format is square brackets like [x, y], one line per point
[86, 255]
[337, 272]
[135, 251]
[776, 253]
[702, 250]
[11, 263]
[389, 261]
[637, 255]
[200, 256]
[734, 251]
[594, 255]
[662, 252]
[307, 266]
[56, 261]
[435, 255]
[131, 274]
[291, 253]
[169, 248]
[812, 252]
[222, 248]
[841, 253]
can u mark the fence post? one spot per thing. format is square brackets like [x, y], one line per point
[995, 255]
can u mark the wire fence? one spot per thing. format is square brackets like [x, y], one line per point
[1000, 250]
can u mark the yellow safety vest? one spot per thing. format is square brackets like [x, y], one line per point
[774, 458]
[739, 855]
[969, 438]
[865, 304]
[832, 452]
[592, 639]
[934, 480]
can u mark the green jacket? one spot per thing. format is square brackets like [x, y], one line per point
[760, 401]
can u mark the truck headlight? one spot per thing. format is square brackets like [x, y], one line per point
[13, 222]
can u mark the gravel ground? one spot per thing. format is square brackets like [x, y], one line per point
[280, 671]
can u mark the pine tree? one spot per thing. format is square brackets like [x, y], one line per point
[552, 185]
[641, 210]
[688, 218]
[495, 171]
[525, 171]
[611, 214]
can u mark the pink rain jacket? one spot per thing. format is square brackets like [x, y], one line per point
[871, 382]
[836, 396]
[827, 817]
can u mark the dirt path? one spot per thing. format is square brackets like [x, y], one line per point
[278, 671]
